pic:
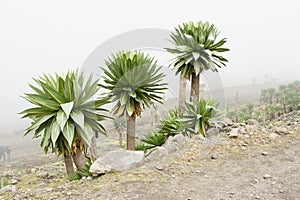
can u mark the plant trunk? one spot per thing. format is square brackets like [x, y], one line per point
[120, 137]
[131, 133]
[195, 91]
[94, 148]
[69, 165]
[79, 159]
[182, 95]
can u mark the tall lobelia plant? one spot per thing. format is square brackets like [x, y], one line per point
[197, 50]
[134, 81]
[65, 115]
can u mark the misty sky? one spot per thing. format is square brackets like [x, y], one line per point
[39, 37]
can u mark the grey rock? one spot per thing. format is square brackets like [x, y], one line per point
[157, 153]
[252, 122]
[250, 128]
[264, 153]
[226, 129]
[242, 130]
[9, 188]
[212, 132]
[214, 156]
[14, 181]
[281, 130]
[267, 176]
[235, 125]
[174, 143]
[228, 122]
[89, 178]
[49, 189]
[118, 160]
[234, 133]
[197, 138]
[34, 170]
[273, 136]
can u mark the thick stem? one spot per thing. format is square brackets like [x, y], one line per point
[79, 159]
[195, 91]
[120, 137]
[131, 133]
[69, 165]
[182, 95]
[94, 148]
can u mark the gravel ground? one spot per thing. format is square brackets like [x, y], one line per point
[247, 167]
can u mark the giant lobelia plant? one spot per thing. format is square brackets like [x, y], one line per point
[65, 115]
[134, 81]
[197, 49]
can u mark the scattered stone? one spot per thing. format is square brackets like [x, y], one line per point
[280, 191]
[250, 128]
[174, 143]
[264, 153]
[212, 132]
[160, 166]
[197, 171]
[242, 130]
[281, 130]
[89, 178]
[49, 189]
[9, 188]
[272, 136]
[233, 133]
[214, 156]
[69, 193]
[252, 122]
[42, 174]
[118, 160]
[83, 178]
[267, 176]
[157, 153]
[235, 125]
[226, 129]
[34, 170]
[198, 137]
[14, 181]
[228, 122]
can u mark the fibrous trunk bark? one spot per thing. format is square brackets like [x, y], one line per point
[182, 95]
[94, 148]
[131, 132]
[79, 159]
[120, 138]
[195, 91]
[69, 164]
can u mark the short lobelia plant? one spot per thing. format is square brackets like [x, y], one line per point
[198, 115]
[65, 115]
[134, 82]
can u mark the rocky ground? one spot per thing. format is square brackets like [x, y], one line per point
[236, 161]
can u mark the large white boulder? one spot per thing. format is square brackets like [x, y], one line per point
[119, 160]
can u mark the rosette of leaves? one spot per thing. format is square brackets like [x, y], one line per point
[134, 81]
[198, 115]
[65, 115]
